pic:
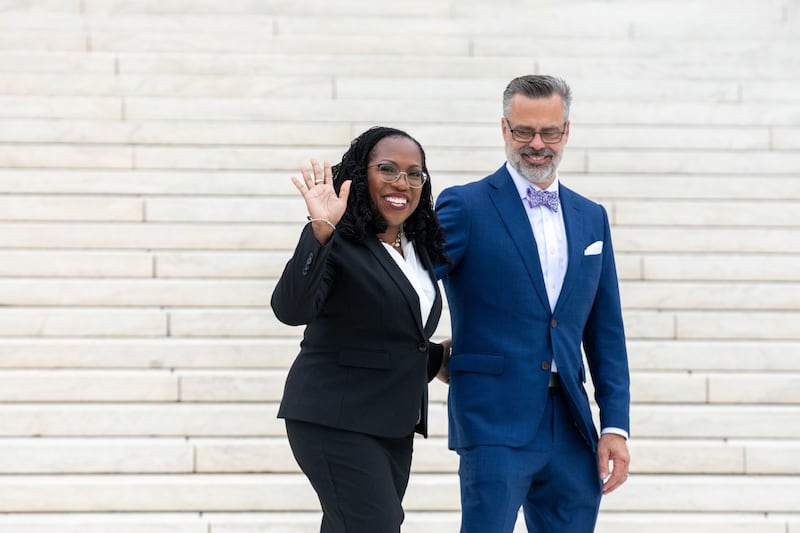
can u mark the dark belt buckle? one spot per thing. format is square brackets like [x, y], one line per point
[554, 380]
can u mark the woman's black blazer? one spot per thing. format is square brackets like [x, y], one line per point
[366, 359]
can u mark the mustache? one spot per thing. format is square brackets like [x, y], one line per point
[527, 150]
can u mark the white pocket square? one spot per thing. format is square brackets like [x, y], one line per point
[593, 249]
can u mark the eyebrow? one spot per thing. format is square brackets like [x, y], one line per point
[389, 161]
[528, 128]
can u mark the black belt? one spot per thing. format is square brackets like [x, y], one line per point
[555, 381]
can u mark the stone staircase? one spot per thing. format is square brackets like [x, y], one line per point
[146, 212]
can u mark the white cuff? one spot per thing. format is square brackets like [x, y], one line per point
[615, 431]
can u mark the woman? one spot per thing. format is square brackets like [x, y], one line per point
[362, 280]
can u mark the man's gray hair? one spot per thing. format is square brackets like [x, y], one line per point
[537, 86]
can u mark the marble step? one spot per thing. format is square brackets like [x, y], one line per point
[426, 492]
[283, 236]
[240, 322]
[268, 455]
[585, 59]
[608, 521]
[250, 385]
[419, 522]
[268, 265]
[723, 355]
[89, 352]
[653, 420]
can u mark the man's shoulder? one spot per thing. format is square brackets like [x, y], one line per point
[469, 187]
[477, 186]
[576, 197]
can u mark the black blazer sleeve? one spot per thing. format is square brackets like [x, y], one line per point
[305, 282]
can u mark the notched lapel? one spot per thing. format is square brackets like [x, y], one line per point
[506, 200]
[397, 276]
[573, 225]
[436, 309]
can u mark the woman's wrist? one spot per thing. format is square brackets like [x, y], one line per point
[320, 219]
[323, 229]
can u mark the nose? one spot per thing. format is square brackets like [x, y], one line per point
[402, 178]
[537, 145]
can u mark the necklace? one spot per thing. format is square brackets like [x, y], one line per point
[396, 243]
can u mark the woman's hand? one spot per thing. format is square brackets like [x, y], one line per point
[443, 375]
[321, 200]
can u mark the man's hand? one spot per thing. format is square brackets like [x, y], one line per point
[613, 449]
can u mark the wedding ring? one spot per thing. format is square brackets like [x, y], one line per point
[317, 182]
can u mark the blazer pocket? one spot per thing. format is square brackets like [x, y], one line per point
[594, 249]
[376, 360]
[483, 363]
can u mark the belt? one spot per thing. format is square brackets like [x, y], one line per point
[555, 381]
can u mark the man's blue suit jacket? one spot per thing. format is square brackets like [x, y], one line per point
[504, 334]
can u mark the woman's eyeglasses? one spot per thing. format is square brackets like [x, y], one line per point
[390, 174]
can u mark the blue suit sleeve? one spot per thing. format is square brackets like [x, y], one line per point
[455, 222]
[604, 344]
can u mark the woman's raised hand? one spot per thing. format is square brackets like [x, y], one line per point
[321, 199]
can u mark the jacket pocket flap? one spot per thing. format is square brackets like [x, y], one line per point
[377, 360]
[485, 363]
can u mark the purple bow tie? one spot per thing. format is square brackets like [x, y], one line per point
[537, 196]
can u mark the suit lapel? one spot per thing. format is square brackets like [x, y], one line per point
[398, 278]
[573, 224]
[505, 197]
[436, 309]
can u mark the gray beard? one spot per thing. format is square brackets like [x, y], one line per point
[530, 173]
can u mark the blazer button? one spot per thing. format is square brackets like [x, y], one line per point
[553, 323]
[309, 260]
[422, 347]
[545, 365]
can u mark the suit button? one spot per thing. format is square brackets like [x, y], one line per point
[553, 323]
[545, 365]
[307, 266]
[422, 347]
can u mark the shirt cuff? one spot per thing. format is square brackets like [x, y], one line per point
[615, 431]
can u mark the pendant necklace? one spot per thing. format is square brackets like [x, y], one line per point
[396, 243]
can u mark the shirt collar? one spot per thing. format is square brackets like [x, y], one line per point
[522, 184]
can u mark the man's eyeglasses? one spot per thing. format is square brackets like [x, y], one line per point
[390, 173]
[524, 135]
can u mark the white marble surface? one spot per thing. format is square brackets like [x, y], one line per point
[231, 386]
[138, 419]
[138, 236]
[130, 352]
[222, 265]
[89, 386]
[77, 322]
[74, 264]
[95, 456]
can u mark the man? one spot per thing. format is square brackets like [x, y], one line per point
[533, 278]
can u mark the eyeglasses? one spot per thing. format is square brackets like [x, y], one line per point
[390, 174]
[524, 135]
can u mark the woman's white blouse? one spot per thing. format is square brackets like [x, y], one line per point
[416, 274]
